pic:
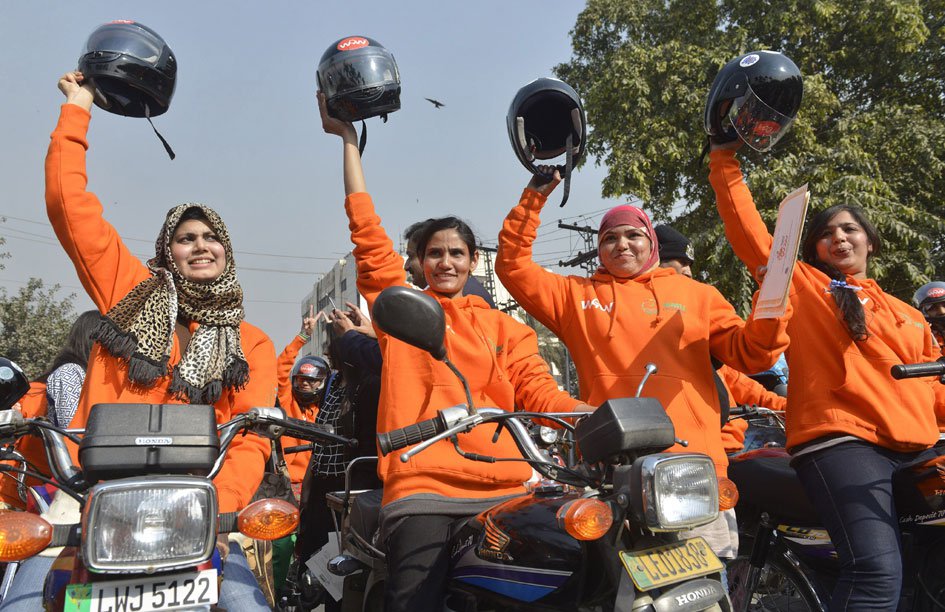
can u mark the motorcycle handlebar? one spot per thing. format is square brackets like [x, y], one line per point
[411, 434]
[918, 370]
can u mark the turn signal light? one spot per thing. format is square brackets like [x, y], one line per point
[586, 519]
[22, 535]
[728, 494]
[268, 519]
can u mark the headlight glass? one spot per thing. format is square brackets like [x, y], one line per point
[153, 524]
[680, 492]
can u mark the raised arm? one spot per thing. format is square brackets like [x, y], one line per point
[379, 265]
[744, 227]
[105, 266]
[540, 292]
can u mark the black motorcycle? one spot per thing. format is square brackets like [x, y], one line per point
[143, 506]
[535, 552]
[787, 560]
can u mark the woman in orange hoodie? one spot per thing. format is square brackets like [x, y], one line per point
[173, 330]
[632, 312]
[498, 356]
[844, 409]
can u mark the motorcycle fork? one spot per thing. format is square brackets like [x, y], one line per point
[759, 552]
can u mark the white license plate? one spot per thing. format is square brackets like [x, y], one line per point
[171, 592]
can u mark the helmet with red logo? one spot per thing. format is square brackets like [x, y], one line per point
[131, 67]
[760, 93]
[359, 78]
[309, 378]
[928, 295]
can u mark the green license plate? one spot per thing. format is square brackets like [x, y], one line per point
[669, 564]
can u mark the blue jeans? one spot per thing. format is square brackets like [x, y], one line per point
[239, 590]
[850, 486]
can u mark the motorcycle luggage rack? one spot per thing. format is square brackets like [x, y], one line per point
[340, 502]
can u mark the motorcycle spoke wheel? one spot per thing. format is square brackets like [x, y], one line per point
[780, 588]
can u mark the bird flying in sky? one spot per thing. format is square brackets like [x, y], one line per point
[435, 103]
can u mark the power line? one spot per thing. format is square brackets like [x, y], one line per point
[129, 239]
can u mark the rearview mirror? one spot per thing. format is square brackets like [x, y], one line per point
[412, 317]
[13, 383]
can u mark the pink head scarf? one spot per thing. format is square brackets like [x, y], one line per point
[634, 217]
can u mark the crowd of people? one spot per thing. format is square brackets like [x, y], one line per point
[173, 331]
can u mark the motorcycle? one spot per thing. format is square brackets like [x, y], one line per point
[787, 560]
[146, 538]
[600, 534]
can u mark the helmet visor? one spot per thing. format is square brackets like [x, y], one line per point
[126, 38]
[756, 123]
[355, 70]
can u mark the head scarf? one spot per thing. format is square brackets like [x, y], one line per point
[140, 328]
[634, 217]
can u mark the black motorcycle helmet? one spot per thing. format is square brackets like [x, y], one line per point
[927, 295]
[760, 93]
[359, 78]
[131, 67]
[13, 383]
[315, 369]
[546, 118]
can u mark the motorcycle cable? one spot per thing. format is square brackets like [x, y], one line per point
[64, 432]
[545, 468]
[45, 480]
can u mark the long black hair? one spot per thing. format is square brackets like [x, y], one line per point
[78, 343]
[851, 309]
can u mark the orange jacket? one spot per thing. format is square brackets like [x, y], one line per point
[613, 327]
[743, 391]
[32, 405]
[108, 271]
[497, 355]
[838, 386]
[296, 462]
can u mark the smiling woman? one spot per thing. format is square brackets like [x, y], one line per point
[172, 333]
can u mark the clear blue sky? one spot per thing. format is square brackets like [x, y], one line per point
[245, 128]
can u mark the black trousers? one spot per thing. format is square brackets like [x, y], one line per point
[315, 520]
[417, 563]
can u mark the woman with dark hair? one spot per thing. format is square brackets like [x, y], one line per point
[172, 332]
[65, 376]
[497, 354]
[850, 425]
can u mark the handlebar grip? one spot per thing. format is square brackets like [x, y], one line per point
[410, 435]
[917, 370]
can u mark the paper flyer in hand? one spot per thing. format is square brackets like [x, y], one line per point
[776, 288]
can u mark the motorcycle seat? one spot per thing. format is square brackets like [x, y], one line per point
[365, 510]
[771, 484]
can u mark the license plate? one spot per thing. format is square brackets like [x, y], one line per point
[171, 592]
[656, 567]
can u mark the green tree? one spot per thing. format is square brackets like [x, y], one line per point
[871, 130]
[34, 324]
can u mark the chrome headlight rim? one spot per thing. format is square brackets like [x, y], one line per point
[90, 518]
[646, 469]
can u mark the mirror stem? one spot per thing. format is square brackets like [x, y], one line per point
[462, 379]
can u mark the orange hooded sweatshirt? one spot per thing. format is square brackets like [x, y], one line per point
[613, 327]
[296, 462]
[108, 271]
[497, 355]
[743, 391]
[32, 405]
[838, 386]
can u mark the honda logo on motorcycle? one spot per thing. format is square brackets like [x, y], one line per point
[690, 596]
[494, 542]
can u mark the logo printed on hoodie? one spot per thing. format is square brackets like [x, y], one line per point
[595, 303]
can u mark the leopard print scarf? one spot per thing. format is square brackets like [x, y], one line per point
[140, 328]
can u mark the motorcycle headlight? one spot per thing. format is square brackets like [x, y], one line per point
[149, 524]
[677, 491]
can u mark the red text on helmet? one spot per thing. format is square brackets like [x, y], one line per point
[352, 42]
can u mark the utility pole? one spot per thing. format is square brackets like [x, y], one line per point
[585, 258]
[490, 277]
